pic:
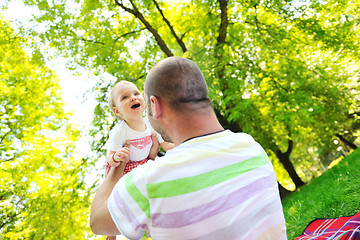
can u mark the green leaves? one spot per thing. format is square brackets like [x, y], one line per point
[282, 71]
[42, 192]
[279, 70]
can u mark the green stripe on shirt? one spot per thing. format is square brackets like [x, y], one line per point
[201, 181]
[138, 197]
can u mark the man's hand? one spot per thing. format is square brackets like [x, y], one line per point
[101, 222]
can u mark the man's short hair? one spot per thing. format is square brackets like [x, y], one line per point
[180, 83]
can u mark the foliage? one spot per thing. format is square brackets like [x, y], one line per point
[42, 192]
[279, 70]
[332, 195]
[287, 72]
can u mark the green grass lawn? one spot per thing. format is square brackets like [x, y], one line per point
[335, 193]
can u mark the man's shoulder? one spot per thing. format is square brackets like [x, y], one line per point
[240, 137]
[221, 137]
[241, 134]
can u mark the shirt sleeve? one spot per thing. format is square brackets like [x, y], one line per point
[129, 206]
[116, 138]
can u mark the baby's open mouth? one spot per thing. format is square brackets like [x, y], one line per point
[136, 105]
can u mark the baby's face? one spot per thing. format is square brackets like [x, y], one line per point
[129, 103]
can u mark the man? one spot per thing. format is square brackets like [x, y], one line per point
[214, 184]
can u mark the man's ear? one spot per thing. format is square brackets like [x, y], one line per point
[155, 107]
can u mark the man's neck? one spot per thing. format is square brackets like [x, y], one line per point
[200, 125]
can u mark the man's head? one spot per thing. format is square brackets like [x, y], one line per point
[179, 83]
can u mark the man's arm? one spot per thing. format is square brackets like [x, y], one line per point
[101, 222]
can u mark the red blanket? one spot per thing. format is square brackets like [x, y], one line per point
[333, 228]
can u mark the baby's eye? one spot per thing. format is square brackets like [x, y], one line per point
[137, 93]
[124, 97]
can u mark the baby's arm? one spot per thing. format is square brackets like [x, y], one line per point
[155, 147]
[167, 145]
[121, 155]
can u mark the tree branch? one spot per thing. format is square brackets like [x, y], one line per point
[183, 35]
[290, 147]
[2, 139]
[92, 41]
[224, 23]
[139, 16]
[7, 160]
[347, 142]
[129, 33]
[10, 216]
[355, 113]
[179, 40]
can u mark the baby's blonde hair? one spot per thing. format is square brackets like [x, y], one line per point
[112, 95]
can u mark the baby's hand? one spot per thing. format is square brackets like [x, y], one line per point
[155, 147]
[122, 155]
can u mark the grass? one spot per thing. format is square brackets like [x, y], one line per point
[335, 193]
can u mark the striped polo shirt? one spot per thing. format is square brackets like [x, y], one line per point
[218, 186]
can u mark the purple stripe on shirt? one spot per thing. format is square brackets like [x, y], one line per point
[199, 213]
[125, 210]
[245, 225]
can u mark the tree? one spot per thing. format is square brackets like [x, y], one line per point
[283, 71]
[42, 192]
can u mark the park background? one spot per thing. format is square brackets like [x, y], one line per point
[286, 72]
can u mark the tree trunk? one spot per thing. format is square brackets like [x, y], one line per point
[283, 191]
[348, 143]
[234, 127]
[289, 167]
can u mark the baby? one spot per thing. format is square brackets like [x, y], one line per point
[128, 106]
